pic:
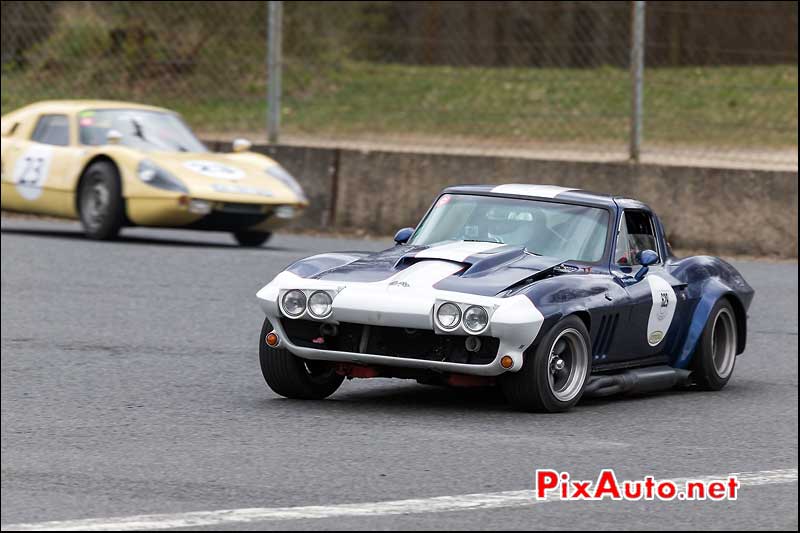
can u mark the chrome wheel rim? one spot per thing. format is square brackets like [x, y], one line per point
[723, 343]
[95, 203]
[567, 365]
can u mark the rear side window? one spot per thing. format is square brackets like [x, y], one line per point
[635, 234]
[52, 129]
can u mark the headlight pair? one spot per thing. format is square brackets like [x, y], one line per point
[449, 315]
[295, 303]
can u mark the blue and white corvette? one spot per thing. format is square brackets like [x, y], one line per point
[549, 292]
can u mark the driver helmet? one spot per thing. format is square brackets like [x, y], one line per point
[512, 226]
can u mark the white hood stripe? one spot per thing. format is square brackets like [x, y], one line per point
[424, 274]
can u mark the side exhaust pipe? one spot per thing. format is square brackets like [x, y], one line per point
[637, 380]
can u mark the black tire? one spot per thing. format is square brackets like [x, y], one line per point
[715, 356]
[251, 239]
[293, 377]
[100, 203]
[531, 389]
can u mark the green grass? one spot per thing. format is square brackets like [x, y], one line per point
[735, 107]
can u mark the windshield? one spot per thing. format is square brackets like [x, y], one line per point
[141, 130]
[562, 231]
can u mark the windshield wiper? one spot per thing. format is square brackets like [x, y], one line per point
[138, 131]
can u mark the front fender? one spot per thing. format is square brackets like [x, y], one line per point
[585, 295]
[125, 159]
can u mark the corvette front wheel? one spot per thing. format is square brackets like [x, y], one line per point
[554, 375]
[293, 377]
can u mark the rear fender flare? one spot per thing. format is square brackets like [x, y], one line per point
[713, 291]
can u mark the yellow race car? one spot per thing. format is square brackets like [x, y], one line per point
[116, 164]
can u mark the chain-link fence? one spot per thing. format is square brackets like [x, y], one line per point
[546, 79]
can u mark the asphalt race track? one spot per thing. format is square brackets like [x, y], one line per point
[130, 386]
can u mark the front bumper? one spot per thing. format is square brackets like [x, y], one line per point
[514, 321]
[222, 216]
[492, 369]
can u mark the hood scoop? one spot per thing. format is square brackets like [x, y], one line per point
[494, 271]
[494, 259]
[477, 256]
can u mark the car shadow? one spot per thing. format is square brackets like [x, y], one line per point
[397, 399]
[414, 395]
[412, 398]
[135, 239]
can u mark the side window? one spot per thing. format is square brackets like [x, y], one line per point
[52, 129]
[635, 234]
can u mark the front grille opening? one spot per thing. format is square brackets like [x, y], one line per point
[391, 342]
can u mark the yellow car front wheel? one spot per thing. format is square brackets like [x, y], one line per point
[100, 203]
[251, 239]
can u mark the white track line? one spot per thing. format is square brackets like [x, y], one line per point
[464, 502]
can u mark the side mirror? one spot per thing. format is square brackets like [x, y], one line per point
[113, 137]
[645, 258]
[241, 145]
[402, 236]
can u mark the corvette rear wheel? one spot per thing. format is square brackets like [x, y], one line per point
[715, 356]
[100, 203]
[251, 239]
[293, 377]
[554, 375]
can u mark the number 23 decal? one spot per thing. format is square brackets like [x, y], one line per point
[31, 171]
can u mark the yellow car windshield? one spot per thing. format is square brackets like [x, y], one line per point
[139, 129]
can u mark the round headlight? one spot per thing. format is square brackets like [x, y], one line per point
[448, 315]
[294, 303]
[476, 319]
[319, 304]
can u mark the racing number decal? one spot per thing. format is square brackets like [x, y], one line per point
[31, 171]
[664, 299]
[662, 309]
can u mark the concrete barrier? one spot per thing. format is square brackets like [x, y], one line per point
[718, 211]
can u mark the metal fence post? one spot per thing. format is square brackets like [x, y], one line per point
[274, 68]
[637, 80]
